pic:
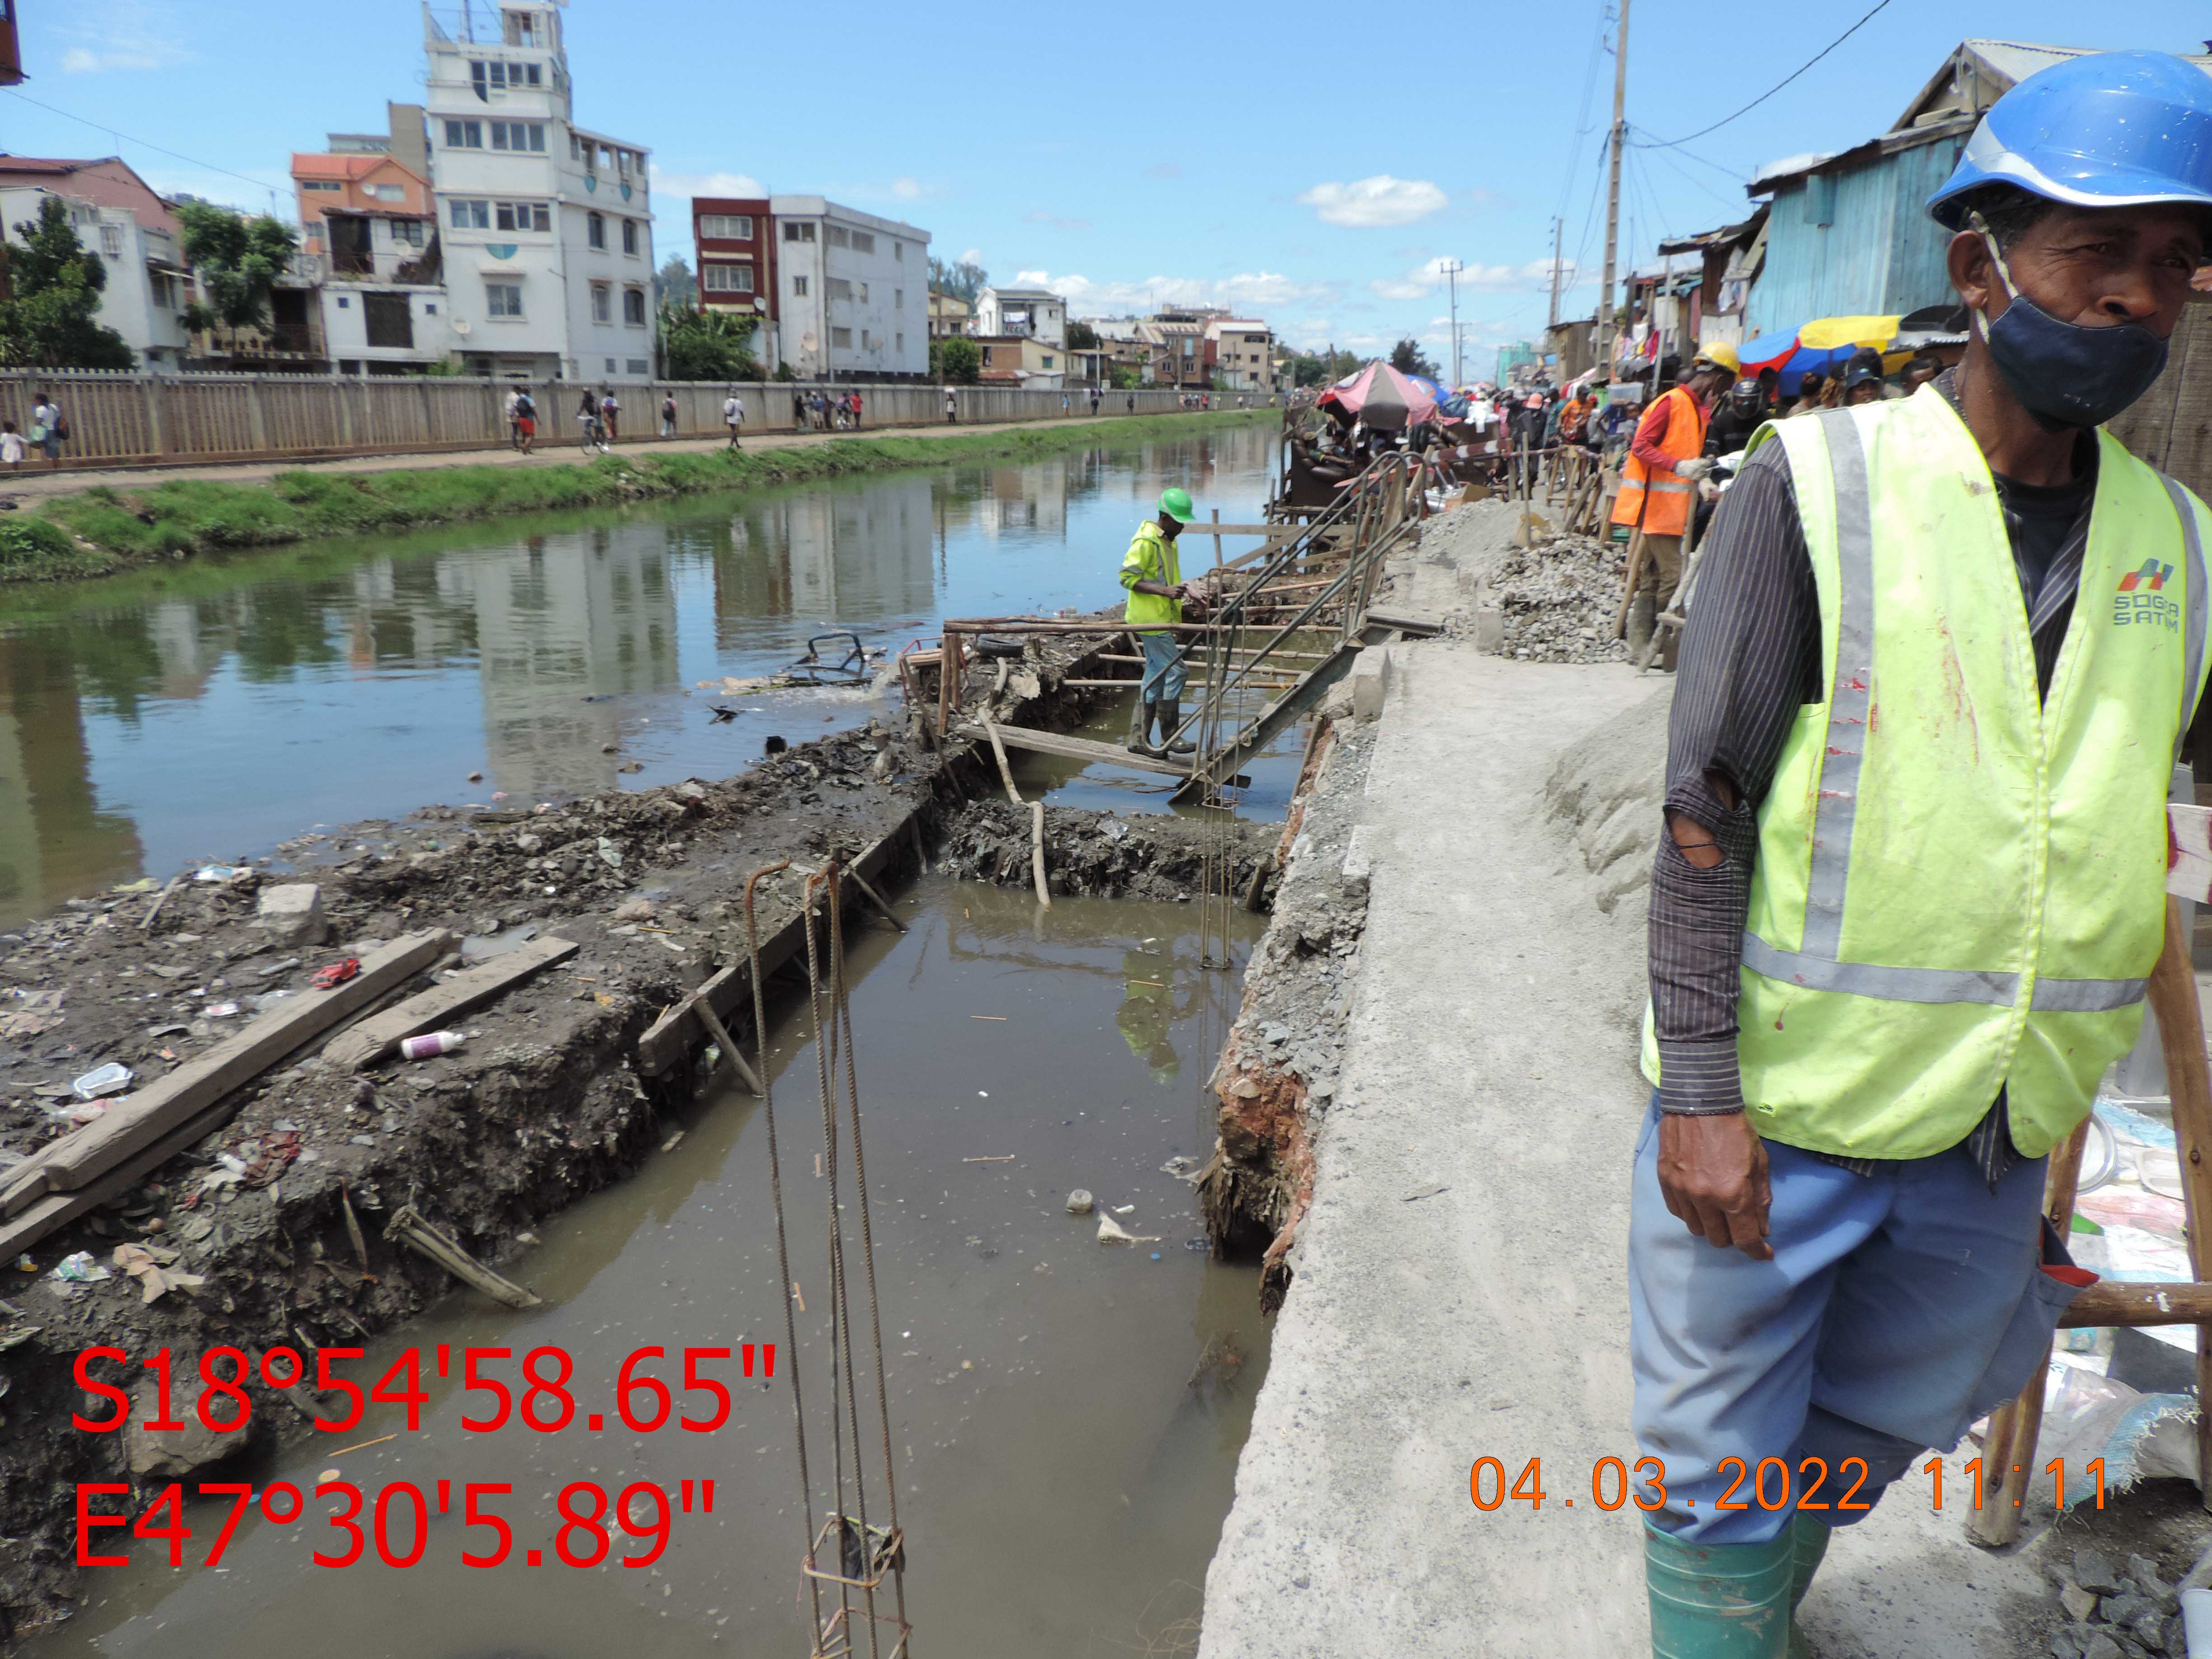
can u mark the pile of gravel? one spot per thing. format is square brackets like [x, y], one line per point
[2116, 1612]
[1560, 600]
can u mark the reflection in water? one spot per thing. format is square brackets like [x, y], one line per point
[212, 709]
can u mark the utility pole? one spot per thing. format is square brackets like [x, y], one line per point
[1613, 195]
[1451, 268]
[1557, 226]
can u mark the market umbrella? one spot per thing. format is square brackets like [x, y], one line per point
[1836, 333]
[1379, 395]
[1767, 351]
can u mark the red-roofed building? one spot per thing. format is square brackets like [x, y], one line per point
[117, 216]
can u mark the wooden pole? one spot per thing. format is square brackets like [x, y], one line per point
[1635, 570]
[720, 1033]
[2173, 995]
[1036, 853]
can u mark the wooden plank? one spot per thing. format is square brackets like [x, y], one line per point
[141, 1119]
[376, 1037]
[680, 1030]
[2172, 998]
[1418, 625]
[1085, 749]
[2112, 1302]
[1279, 714]
[59, 1209]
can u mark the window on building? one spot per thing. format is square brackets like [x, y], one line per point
[838, 288]
[523, 215]
[407, 233]
[490, 75]
[320, 184]
[863, 242]
[463, 135]
[603, 303]
[519, 28]
[726, 227]
[630, 236]
[466, 212]
[799, 233]
[387, 320]
[898, 299]
[902, 344]
[388, 192]
[863, 288]
[842, 337]
[633, 307]
[575, 147]
[611, 365]
[111, 241]
[840, 237]
[502, 299]
[1047, 359]
[518, 136]
[639, 366]
[798, 287]
[164, 288]
[595, 229]
[727, 279]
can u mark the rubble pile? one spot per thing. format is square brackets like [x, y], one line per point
[2114, 1612]
[1099, 855]
[1560, 599]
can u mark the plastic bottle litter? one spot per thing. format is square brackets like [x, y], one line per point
[79, 1269]
[110, 1079]
[218, 871]
[431, 1044]
[1079, 1202]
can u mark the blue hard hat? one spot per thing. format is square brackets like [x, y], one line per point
[2109, 129]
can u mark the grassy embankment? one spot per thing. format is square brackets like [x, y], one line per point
[104, 529]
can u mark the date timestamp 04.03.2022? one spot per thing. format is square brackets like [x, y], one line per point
[1769, 1483]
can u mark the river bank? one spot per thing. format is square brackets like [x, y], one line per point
[110, 527]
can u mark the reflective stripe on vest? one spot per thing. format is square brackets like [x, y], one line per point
[1817, 966]
[1685, 437]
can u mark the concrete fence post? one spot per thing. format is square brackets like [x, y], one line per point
[257, 415]
[157, 425]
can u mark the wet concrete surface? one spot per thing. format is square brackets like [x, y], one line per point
[1066, 1415]
[206, 711]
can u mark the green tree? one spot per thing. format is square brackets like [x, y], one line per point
[1081, 337]
[955, 360]
[1408, 358]
[678, 286]
[962, 281]
[50, 290]
[1322, 367]
[714, 344]
[236, 261]
[1124, 377]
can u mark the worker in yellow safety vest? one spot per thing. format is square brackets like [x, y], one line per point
[1666, 460]
[1159, 594]
[1945, 652]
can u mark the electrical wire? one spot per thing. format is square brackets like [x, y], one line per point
[179, 156]
[1669, 143]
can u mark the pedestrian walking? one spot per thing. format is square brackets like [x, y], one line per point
[1862, 1052]
[1094, 403]
[798, 411]
[856, 410]
[48, 428]
[733, 415]
[610, 418]
[525, 421]
[513, 420]
[668, 416]
[588, 422]
[1159, 594]
[1063, 403]
[12, 447]
[952, 407]
[1133, 402]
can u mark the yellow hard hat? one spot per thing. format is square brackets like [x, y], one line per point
[1718, 356]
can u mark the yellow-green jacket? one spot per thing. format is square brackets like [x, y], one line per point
[1150, 558]
[1960, 889]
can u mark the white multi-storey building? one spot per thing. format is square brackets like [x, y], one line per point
[852, 291]
[546, 228]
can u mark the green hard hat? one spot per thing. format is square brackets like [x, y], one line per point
[1176, 503]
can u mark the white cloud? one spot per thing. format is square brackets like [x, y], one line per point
[1429, 276]
[705, 184]
[1365, 203]
[121, 35]
[1259, 291]
[906, 189]
[1058, 222]
[974, 256]
[1391, 288]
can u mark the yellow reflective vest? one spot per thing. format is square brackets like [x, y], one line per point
[1960, 889]
[1150, 558]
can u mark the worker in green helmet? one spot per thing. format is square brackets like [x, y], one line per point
[1159, 594]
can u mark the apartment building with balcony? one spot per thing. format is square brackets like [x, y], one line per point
[546, 227]
[117, 215]
[852, 298]
[735, 239]
[370, 262]
[1243, 352]
[1036, 313]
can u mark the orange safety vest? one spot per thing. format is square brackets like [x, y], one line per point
[1668, 511]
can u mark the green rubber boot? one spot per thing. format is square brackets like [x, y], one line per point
[1718, 1601]
[1809, 1543]
[1142, 743]
[1171, 721]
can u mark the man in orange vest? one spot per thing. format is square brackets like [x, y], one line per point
[1659, 483]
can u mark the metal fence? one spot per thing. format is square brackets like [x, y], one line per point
[118, 418]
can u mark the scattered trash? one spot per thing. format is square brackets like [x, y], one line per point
[152, 1265]
[432, 1044]
[1181, 1168]
[1195, 1244]
[1079, 1202]
[611, 853]
[220, 1010]
[325, 978]
[670, 1144]
[109, 1079]
[1110, 1232]
[270, 970]
[1156, 1255]
[25, 1265]
[218, 871]
[410, 1229]
[78, 1269]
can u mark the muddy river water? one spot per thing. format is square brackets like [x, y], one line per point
[1065, 1414]
[210, 710]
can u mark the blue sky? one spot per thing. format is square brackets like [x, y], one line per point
[1307, 164]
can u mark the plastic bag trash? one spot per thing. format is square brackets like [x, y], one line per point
[2138, 1435]
[611, 853]
[218, 871]
[79, 1269]
[110, 1079]
[1110, 1232]
[220, 1010]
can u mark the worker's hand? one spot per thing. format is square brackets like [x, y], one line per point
[1713, 1172]
[1708, 490]
[1695, 467]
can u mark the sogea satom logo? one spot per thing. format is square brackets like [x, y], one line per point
[2143, 600]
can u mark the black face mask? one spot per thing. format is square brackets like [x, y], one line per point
[2064, 375]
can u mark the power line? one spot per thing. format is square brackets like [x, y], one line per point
[102, 126]
[1670, 142]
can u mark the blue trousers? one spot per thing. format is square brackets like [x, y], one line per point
[1163, 668]
[1898, 1309]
